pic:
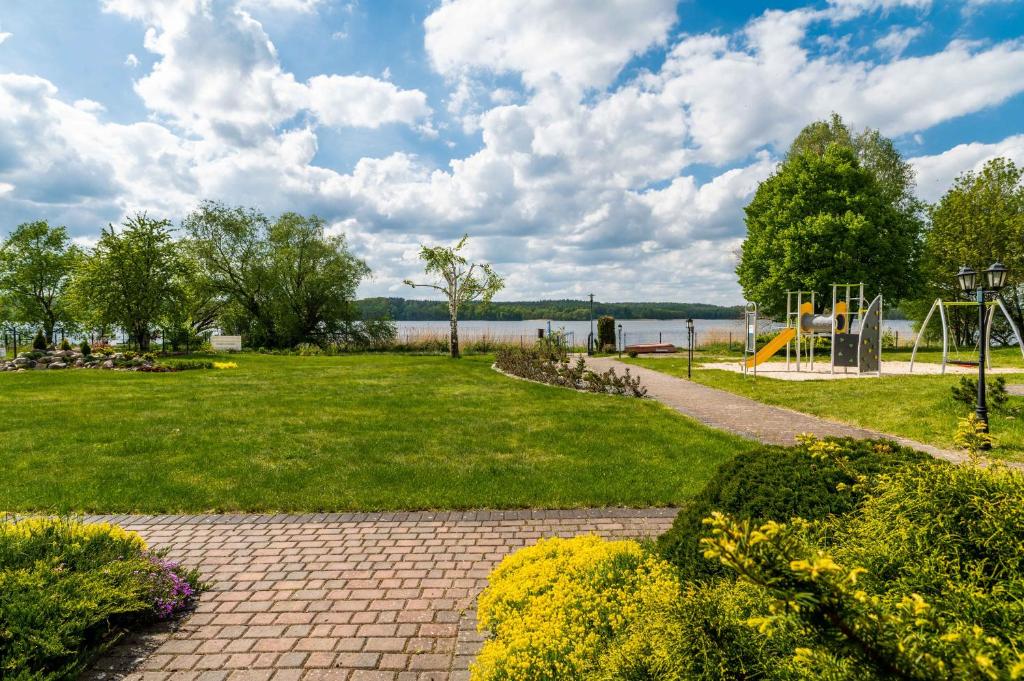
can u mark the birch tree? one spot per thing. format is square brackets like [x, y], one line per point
[459, 280]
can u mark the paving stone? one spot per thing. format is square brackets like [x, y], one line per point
[346, 597]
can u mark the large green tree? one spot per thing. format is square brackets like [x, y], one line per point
[283, 282]
[978, 221]
[459, 280]
[824, 218]
[36, 265]
[131, 278]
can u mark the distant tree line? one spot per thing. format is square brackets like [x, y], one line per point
[404, 310]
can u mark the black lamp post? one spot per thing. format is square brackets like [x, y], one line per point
[590, 338]
[994, 279]
[689, 348]
[620, 341]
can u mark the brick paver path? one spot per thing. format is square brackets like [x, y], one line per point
[346, 597]
[746, 417]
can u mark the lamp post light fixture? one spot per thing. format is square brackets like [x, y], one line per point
[620, 341]
[689, 348]
[993, 279]
[590, 338]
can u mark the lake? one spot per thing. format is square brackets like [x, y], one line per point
[634, 330]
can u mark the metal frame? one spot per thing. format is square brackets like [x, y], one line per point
[985, 337]
[750, 336]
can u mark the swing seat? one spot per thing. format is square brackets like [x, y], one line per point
[964, 362]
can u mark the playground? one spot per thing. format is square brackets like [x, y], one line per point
[821, 371]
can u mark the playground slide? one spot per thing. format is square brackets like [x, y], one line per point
[773, 346]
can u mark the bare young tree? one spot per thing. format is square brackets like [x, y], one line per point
[461, 281]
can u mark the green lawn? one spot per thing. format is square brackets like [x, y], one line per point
[364, 432]
[919, 407]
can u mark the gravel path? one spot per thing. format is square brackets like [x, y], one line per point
[746, 417]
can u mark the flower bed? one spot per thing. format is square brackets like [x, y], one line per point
[69, 590]
[38, 360]
[552, 366]
[917, 574]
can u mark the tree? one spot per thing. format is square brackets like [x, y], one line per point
[461, 283]
[875, 152]
[281, 283]
[314, 280]
[36, 264]
[978, 221]
[132, 275]
[232, 250]
[822, 219]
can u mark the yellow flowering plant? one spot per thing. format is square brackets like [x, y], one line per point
[552, 609]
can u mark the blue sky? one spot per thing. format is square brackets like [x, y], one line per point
[607, 146]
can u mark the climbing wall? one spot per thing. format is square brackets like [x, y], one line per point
[869, 347]
[846, 349]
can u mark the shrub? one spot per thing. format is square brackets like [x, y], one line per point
[39, 342]
[187, 364]
[924, 581]
[85, 349]
[606, 332]
[966, 391]
[69, 590]
[813, 480]
[225, 365]
[552, 609]
[549, 363]
[65, 345]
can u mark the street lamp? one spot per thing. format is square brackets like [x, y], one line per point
[994, 279]
[590, 338]
[689, 348]
[620, 341]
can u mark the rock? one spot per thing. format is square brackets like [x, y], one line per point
[22, 361]
[79, 363]
[109, 364]
[57, 365]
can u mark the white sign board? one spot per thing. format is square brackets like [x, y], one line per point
[222, 343]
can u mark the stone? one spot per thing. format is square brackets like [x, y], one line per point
[22, 361]
[57, 365]
[109, 364]
[79, 363]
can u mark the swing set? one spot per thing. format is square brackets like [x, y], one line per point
[986, 337]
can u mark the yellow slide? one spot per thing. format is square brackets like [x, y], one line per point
[774, 345]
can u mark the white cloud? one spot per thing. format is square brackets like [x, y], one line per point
[4, 36]
[362, 101]
[847, 9]
[302, 6]
[131, 61]
[572, 41]
[896, 41]
[935, 174]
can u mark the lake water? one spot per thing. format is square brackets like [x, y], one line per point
[634, 330]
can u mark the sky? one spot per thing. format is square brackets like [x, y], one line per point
[604, 147]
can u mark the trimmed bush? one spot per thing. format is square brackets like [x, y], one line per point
[779, 483]
[39, 342]
[187, 364]
[69, 590]
[65, 345]
[85, 349]
[549, 363]
[606, 333]
[553, 609]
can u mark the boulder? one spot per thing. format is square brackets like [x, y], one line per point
[22, 361]
[79, 363]
[109, 364]
[57, 365]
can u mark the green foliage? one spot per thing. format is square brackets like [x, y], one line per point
[187, 364]
[978, 221]
[813, 480]
[549, 363]
[459, 280]
[36, 265]
[65, 345]
[39, 342]
[823, 218]
[68, 591]
[85, 349]
[924, 581]
[606, 333]
[284, 282]
[966, 391]
[130, 278]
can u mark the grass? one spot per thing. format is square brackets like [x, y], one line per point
[919, 407]
[364, 432]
